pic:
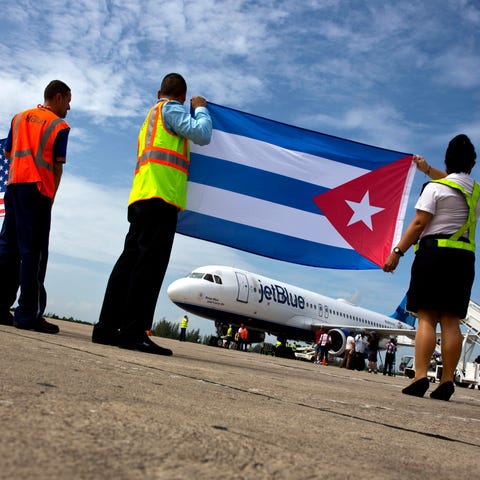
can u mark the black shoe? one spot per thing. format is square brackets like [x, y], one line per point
[38, 325]
[7, 320]
[418, 388]
[104, 336]
[147, 346]
[443, 392]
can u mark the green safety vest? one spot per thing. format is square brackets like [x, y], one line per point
[163, 160]
[184, 323]
[470, 224]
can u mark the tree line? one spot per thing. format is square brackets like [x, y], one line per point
[163, 328]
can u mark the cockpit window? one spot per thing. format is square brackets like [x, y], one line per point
[206, 276]
[196, 275]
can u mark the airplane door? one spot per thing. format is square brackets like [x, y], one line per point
[242, 282]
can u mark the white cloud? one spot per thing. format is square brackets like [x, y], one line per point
[376, 124]
[88, 220]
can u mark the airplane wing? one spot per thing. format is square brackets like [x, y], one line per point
[301, 321]
[380, 330]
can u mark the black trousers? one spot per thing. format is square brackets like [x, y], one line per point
[134, 284]
[389, 360]
[24, 242]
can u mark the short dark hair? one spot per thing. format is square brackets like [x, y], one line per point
[460, 155]
[173, 85]
[54, 87]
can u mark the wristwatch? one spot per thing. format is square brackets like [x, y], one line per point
[398, 251]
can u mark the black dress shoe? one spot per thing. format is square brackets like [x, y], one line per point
[38, 325]
[443, 392]
[417, 388]
[145, 345]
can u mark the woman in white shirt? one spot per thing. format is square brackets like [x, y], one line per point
[444, 266]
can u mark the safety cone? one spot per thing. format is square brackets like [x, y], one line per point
[324, 361]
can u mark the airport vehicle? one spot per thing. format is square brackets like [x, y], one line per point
[232, 296]
[305, 353]
[433, 373]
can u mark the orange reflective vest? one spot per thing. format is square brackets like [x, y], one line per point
[163, 160]
[244, 334]
[31, 158]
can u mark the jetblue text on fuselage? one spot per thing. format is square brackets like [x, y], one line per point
[281, 295]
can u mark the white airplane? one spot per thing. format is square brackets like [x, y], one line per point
[232, 296]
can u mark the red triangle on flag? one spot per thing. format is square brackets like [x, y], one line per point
[365, 210]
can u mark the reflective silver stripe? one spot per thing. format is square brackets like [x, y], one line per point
[39, 161]
[151, 123]
[163, 156]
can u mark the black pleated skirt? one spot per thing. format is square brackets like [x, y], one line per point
[441, 280]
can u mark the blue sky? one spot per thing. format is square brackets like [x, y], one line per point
[400, 75]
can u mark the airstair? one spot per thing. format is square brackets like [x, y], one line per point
[472, 330]
[468, 372]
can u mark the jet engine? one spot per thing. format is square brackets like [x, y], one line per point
[339, 340]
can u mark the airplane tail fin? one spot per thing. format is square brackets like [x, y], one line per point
[401, 314]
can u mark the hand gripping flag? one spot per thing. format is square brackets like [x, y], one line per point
[295, 195]
[4, 163]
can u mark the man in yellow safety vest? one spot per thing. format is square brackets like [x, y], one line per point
[183, 328]
[158, 194]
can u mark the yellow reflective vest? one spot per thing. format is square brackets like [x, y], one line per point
[184, 323]
[163, 160]
[470, 224]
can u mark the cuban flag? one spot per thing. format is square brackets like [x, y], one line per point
[294, 194]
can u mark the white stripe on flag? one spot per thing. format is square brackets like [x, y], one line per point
[261, 214]
[272, 158]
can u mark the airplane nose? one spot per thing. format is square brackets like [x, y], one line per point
[177, 290]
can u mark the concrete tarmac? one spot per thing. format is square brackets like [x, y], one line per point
[71, 409]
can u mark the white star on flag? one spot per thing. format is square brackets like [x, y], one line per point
[363, 211]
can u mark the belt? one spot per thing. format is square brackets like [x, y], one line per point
[430, 241]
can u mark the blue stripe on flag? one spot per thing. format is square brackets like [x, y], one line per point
[255, 183]
[268, 244]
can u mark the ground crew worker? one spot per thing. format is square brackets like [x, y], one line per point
[37, 149]
[183, 328]
[390, 349]
[443, 270]
[244, 337]
[325, 342]
[158, 194]
[229, 336]
[239, 337]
